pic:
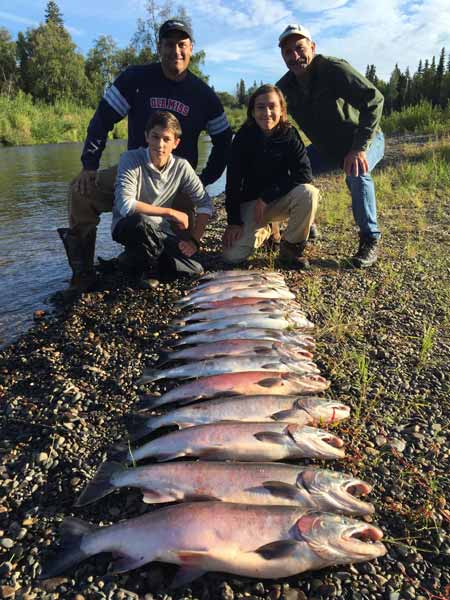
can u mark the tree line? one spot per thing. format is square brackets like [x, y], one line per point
[45, 63]
[430, 83]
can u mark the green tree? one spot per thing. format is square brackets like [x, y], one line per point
[8, 65]
[101, 63]
[438, 99]
[53, 14]
[241, 93]
[51, 68]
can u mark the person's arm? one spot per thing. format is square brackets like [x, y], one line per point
[360, 93]
[220, 133]
[113, 107]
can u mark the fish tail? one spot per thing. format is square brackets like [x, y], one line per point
[121, 452]
[164, 357]
[139, 425]
[101, 485]
[149, 375]
[73, 531]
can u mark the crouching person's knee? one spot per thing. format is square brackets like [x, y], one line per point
[236, 254]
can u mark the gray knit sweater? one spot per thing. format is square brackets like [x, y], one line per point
[139, 179]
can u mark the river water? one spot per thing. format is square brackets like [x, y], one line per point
[33, 203]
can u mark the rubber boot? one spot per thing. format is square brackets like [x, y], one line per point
[80, 254]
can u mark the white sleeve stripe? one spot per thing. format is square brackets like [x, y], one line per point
[115, 99]
[218, 124]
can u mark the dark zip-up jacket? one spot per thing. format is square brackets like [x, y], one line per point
[337, 108]
[141, 90]
[263, 166]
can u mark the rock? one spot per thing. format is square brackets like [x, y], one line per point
[397, 444]
[226, 593]
[7, 543]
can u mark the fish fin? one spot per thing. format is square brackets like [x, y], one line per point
[164, 357]
[282, 415]
[200, 497]
[269, 382]
[121, 452]
[138, 425]
[279, 549]
[271, 437]
[127, 563]
[168, 456]
[100, 486]
[262, 350]
[271, 366]
[281, 489]
[69, 553]
[185, 575]
[148, 401]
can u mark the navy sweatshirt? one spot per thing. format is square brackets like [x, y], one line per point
[142, 89]
[264, 166]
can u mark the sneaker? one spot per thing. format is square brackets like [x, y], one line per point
[291, 255]
[314, 233]
[148, 281]
[367, 254]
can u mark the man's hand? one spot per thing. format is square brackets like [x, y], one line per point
[84, 183]
[260, 208]
[231, 235]
[355, 163]
[181, 219]
[187, 248]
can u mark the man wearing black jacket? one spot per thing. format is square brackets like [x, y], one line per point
[139, 91]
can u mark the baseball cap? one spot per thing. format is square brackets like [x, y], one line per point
[174, 25]
[294, 29]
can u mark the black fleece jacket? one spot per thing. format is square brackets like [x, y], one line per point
[263, 166]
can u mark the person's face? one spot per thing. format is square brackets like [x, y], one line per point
[267, 111]
[161, 143]
[297, 53]
[175, 51]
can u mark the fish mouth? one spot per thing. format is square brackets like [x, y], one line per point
[357, 488]
[364, 540]
[333, 441]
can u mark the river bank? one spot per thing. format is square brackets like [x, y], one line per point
[383, 343]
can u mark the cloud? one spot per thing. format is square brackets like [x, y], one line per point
[17, 19]
[244, 15]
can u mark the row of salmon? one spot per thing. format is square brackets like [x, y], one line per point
[246, 351]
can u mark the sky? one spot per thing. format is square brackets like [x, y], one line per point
[240, 37]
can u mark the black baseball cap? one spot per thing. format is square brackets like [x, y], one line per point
[175, 25]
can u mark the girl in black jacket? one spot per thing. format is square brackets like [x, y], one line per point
[268, 180]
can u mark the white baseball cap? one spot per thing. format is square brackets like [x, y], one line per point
[294, 29]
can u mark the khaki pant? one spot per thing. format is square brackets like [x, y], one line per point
[85, 210]
[298, 207]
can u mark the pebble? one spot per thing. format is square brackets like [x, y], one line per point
[6, 543]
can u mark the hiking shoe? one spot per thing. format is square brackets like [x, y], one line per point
[291, 255]
[367, 253]
[314, 234]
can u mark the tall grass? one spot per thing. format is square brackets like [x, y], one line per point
[422, 119]
[24, 122]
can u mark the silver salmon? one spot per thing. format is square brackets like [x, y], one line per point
[234, 348]
[232, 364]
[259, 319]
[248, 483]
[232, 440]
[249, 540]
[237, 333]
[249, 291]
[266, 307]
[303, 410]
[251, 383]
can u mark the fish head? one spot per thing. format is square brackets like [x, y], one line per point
[324, 411]
[336, 539]
[337, 492]
[316, 442]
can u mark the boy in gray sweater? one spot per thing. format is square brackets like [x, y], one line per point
[148, 180]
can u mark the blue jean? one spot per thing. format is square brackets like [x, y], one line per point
[362, 188]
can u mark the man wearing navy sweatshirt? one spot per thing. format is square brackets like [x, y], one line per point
[138, 92]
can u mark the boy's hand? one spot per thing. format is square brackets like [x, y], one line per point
[231, 235]
[181, 219]
[260, 208]
[187, 248]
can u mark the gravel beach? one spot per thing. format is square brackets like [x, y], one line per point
[383, 341]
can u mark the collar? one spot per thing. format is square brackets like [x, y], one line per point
[152, 167]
